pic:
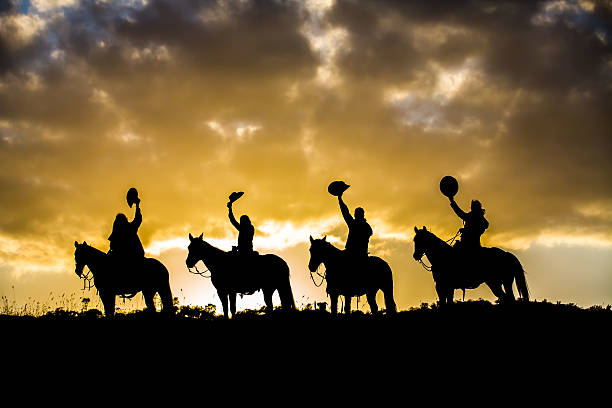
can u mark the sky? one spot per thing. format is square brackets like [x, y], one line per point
[189, 101]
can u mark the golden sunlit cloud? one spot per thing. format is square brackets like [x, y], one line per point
[189, 102]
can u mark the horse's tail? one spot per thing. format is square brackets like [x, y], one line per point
[285, 293]
[161, 278]
[521, 282]
[386, 283]
[389, 301]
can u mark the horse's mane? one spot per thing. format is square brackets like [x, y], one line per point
[94, 251]
[208, 245]
[435, 238]
[329, 245]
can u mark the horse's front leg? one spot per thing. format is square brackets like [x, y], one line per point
[347, 305]
[333, 303]
[445, 295]
[223, 297]
[441, 295]
[108, 301]
[232, 303]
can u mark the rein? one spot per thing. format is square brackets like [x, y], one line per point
[452, 240]
[323, 277]
[87, 280]
[449, 241]
[425, 266]
[200, 273]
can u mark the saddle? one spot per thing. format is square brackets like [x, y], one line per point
[354, 273]
[128, 272]
[244, 271]
[470, 260]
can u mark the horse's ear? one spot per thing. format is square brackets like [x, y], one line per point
[416, 229]
[311, 240]
[84, 243]
[424, 229]
[76, 244]
[190, 237]
[201, 236]
[325, 238]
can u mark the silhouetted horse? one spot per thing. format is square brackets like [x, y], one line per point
[347, 278]
[112, 281]
[233, 273]
[453, 268]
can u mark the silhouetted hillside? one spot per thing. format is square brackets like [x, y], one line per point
[423, 349]
[467, 328]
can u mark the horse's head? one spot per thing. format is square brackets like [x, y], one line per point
[317, 247]
[194, 244]
[79, 257]
[420, 244]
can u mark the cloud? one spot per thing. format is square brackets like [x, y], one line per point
[189, 101]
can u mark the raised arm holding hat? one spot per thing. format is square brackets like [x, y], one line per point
[246, 231]
[359, 229]
[124, 241]
[474, 223]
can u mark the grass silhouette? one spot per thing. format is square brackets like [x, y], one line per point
[472, 339]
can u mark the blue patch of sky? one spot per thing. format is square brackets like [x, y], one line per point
[24, 6]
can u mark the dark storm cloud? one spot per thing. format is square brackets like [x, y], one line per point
[548, 144]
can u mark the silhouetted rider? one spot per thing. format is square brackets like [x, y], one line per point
[359, 230]
[474, 225]
[125, 244]
[245, 231]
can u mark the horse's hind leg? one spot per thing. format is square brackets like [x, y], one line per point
[149, 296]
[232, 303]
[509, 292]
[223, 298]
[497, 290]
[166, 297]
[268, 299]
[371, 296]
[389, 302]
[286, 296]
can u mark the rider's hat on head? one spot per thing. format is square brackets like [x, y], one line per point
[359, 213]
[477, 206]
[120, 220]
